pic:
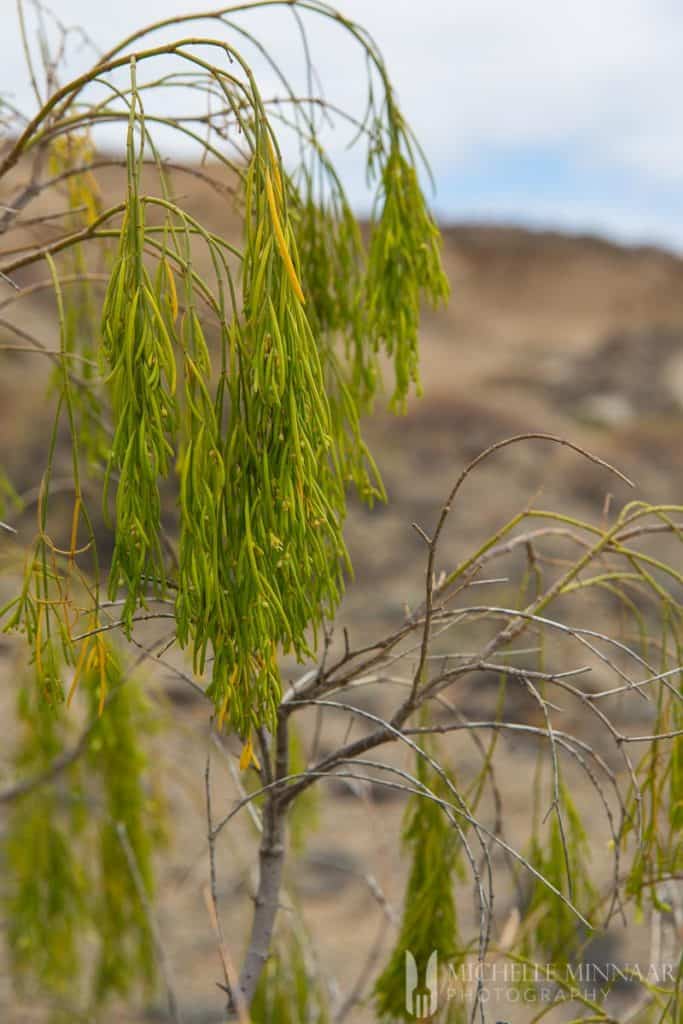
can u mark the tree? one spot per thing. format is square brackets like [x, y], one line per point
[229, 380]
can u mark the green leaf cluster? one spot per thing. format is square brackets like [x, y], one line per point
[68, 885]
[404, 265]
[562, 858]
[429, 920]
[264, 447]
[289, 990]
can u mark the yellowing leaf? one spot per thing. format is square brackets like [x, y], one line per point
[172, 290]
[77, 671]
[281, 243]
[248, 756]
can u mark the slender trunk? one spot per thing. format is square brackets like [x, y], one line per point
[271, 862]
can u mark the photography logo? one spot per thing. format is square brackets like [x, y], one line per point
[422, 1000]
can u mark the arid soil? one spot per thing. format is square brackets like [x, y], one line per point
[568, 335]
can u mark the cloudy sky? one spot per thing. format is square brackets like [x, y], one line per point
[538, 112]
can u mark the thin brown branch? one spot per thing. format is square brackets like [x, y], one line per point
[271, 863]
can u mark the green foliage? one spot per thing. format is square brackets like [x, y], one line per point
[131, 822]
[404, 265]
[262, 439]
[561, 858]
[80, 327]
[258, 435]
[333, 266]
[70, 879]
[289, 991]
[47, 899]
[331, 258]
[429, 919]
[283, 524]
[138, 348]
[657, 809]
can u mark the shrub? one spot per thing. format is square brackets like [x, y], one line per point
[232, 377]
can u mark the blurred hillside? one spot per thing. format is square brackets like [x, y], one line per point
[569, 335]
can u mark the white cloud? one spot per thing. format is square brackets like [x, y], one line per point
[597, 83]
